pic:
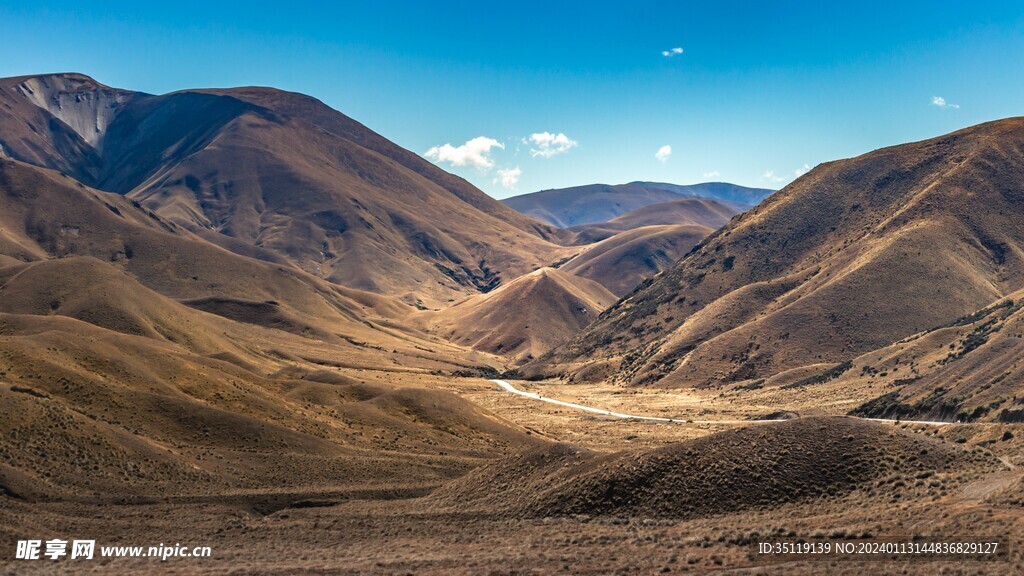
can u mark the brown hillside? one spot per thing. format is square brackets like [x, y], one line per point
[102, 294]
[596, 203]
[137, 359]
[966, 370]
[851, 257]
[525, 318]
[107, 415]
[587, 204]
[620, 263]
[758, 467]
[45, 216]
[702, 212]
[274, 171]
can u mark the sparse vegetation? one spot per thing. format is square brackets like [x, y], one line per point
[830, 374]
[752, 385]
[272, 332]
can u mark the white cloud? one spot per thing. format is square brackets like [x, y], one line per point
[771, 176]
[801, 171]
[508, 177]
[475, 153]
[547, 144]
[941, 102]
[713, 174]
[672, 52]
[663, 153]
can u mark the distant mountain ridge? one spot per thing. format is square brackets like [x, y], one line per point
[628, 249]
[596, 203]
[715, 190]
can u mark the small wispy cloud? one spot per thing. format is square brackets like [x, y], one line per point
[771, 176]
[475, 153]
[713, 174]
[546, 144]
[663, 153]
[802, 170]
[508, 177]
[941, 102]
[672, 52]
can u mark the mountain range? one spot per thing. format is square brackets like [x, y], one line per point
[278, 176]
[595, 203]
[238, 316]
[296, 218]
[281, 177]
[855, 256]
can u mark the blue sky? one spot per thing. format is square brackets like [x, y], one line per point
[760, 90]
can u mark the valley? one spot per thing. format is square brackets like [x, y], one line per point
[239, 318]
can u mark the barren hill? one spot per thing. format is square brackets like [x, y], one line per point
[595, 203]
[586, 204]
[851, 257]
[758, 467]
[138, 359]
[622, 261]
[965, 370]
[722, 191]
[279, 176]
[119, 254]
[104, 295]
[525, 318]
[632, 247]
[697, 211]
[111, 416]
[710, 214]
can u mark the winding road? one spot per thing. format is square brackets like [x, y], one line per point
[510, 388]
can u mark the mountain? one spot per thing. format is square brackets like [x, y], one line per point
[622, 261]
[526, 317]
[137, 358]
[968, 369]
[632, 247]
[695, 211]
[851, 257]
[537, 311]
[279, 176]
[565, 207]
[722, 191]
[701, 212]
[600, 203]
[99, 257]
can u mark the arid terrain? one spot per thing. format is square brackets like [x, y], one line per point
[716, 491]
[237, 318]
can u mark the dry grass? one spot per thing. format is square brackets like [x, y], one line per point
[854, 256]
